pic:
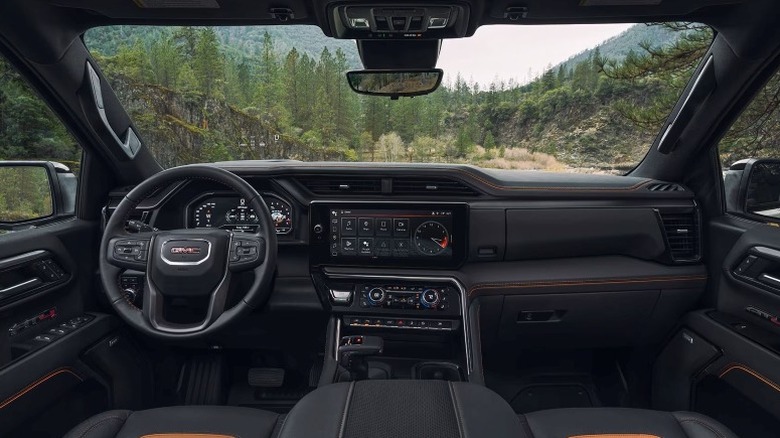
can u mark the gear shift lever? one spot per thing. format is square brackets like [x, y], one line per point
[353, 351]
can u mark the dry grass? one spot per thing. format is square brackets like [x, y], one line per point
[521, 159]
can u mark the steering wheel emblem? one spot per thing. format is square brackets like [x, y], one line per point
[185, 252]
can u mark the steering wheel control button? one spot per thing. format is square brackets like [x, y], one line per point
[246, 252]
[133, 252]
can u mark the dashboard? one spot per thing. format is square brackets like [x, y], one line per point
[534, 247]
[231, 212]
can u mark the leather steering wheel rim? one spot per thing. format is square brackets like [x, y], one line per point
[110, 268]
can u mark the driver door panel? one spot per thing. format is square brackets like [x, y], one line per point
[44, 386]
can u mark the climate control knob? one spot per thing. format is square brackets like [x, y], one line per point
[377, 296]
[430, 298]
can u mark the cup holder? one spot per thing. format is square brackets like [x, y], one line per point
[446, 371]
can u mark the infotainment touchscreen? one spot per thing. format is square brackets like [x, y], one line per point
[419, 235]
[401, 234]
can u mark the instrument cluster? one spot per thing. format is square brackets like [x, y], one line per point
[232, 212]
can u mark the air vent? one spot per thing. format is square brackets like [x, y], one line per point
[336, 185]
[426, 186]
[682, 234]
[665, 187]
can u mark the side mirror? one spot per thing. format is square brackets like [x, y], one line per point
[758, 192]
[35, 191]
[395, 83]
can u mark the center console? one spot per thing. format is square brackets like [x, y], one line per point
[421, 318]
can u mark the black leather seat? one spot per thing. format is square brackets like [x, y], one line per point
[435, 409]
[620, 422]
[398, 408]
[181, 422]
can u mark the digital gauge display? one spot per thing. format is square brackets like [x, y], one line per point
[233, 213]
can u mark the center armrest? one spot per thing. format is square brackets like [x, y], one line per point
[396, 408]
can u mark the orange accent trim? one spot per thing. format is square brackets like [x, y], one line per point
[533, 284]
[186, 435]
[36, 383]
[617, 435]
[746, 369]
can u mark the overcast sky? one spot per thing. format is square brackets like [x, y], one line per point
[517, 52]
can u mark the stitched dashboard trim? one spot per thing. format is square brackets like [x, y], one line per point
[594, 282]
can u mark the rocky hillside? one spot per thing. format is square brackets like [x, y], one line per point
[202, 94]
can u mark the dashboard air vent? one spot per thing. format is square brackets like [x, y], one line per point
[682, 234]
[337, 185]
[425, 186]
[665, 187]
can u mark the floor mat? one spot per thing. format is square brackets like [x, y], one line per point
[550, 379]
[541, 397]
[298, 382]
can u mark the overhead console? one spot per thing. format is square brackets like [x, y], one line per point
[365, 21]
[377, 234]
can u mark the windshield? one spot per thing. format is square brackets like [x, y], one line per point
[576, 98]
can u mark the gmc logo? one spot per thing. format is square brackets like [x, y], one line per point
[185, 250]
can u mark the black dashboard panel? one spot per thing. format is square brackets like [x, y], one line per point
[536, 233]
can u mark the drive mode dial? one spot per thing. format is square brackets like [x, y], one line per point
[377, 296]
[430, 298]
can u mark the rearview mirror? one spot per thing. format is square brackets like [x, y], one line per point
[395, 83]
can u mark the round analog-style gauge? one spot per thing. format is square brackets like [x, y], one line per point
[281, 214]
[204, 215]
[431, 238]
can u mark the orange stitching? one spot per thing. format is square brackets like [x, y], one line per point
[583, 282]
[468, 175]
[753, 373]
[38, 382]
[575, 189]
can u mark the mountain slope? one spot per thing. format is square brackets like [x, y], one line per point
[617, 47]
[235, 40]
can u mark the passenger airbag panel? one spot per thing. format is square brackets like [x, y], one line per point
[548, 233]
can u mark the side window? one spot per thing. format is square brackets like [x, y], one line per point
[39, 159]
[750, 157]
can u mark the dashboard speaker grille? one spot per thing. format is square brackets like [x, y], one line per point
[682, 232]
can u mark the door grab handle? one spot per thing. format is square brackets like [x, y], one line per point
[770, 280]
[767, 253]
[21, 287]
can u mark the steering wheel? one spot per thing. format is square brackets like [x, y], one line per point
[187, 263]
